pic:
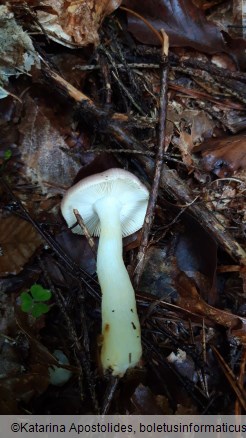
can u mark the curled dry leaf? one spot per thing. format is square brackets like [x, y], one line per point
[194, 126]
[75, 22]
[224, 156]
[190, 299]
[19, 241]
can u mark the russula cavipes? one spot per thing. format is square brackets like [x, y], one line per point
[113, 205]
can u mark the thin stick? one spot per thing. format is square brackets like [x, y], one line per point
[158, 166]
[109, 394]
[235, 384]
[134, 65]
[85, 231]
[148, 24]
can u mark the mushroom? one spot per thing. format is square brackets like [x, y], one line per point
[113, 205]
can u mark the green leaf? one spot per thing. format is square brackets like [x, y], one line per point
[39, 293]
[7, 154]
[26, 302]
[39, 309]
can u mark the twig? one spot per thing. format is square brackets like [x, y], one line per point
[193, 62]
[109, 394]
[208, 78]
[85, 231]
[167, 156]
[136, 65]
[196, 94]
[123, 151]
[128, 94]
[210, 68]
[158, 166]
[204, 353]
[148, 24]
[235, 384]
[105, 70]
[121, 85]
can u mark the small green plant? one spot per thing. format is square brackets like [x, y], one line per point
[7, 154]
[33, 300]
[4, 160]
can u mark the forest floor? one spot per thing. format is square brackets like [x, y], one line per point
[156, 88]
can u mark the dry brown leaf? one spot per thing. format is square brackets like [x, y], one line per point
[190, 299]
[185, 145]
[223, 156]
[199, 126]
[193, 126]
[44, 152]
[185, 24]
[75, 21]
[19, 240]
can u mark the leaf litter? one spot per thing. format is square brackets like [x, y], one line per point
[80, 112]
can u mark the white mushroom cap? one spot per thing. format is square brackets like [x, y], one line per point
[120, 184]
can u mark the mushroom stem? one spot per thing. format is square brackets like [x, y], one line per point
[121, 346]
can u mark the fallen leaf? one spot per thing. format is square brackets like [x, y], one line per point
[185, 24]
[75, 22]
[44, 152]
[185, 145]
[19, 240]
[189, 299]
[17, 54]
[223, 156]
[196, 126]
[196, 255]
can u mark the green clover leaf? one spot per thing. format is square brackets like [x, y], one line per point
[32, 301]
[39, 309]
[39, 293]
[26, 302]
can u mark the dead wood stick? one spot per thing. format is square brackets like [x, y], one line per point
[80, 97]
[210, 67]
[149, 217]
[170, 182]
[85, 230]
